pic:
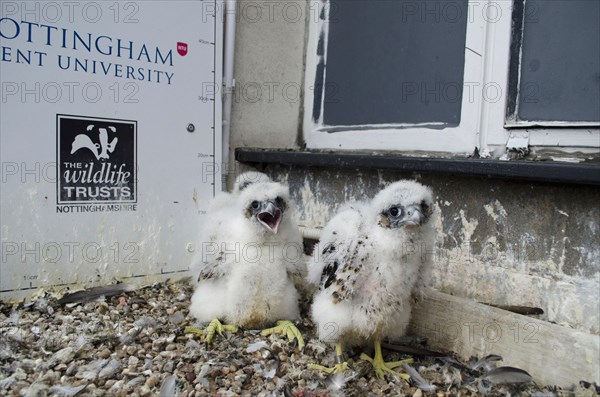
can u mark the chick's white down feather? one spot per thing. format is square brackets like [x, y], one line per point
[243, 269]
[367, 270]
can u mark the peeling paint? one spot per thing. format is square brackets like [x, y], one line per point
[468, 226]
[315, 213]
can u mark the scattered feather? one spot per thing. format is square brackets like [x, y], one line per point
[42, 306]
[270, 374]
[176, 318]
[67, 391]
[34, 390]
[202, 374]
[524, 310]
[420, 382]
[13, 318]
[337, 380]
[507, 375]
[486, 364]
[451, 375]
[413, 351]
[80, 342]
[110, 369]
[253, 347]
[94, 293]
[167, 389]
[135, 381]
[90, 371]
[63, 356]
[7, 382]
[267, 373]
[145, 323]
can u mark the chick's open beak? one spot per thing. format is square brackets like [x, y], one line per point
[270, 216]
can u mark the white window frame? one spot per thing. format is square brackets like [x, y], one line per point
[483, 123]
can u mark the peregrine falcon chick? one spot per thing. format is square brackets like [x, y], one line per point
[367, 264]
[250, 249]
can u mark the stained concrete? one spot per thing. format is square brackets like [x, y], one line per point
[499, 242]
[269, 73]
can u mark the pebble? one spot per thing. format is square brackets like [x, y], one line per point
[168, 367]
[171, 347]
[152, 381]
[104, 353]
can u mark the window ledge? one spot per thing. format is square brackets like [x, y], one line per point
[533, 171]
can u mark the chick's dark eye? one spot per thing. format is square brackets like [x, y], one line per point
[279, 201]
[394, 211]
[255, 204]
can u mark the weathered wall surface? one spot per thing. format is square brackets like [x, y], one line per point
[269, 74]
[499, 242]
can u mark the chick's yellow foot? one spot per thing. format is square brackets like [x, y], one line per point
[287, 328]
[340, 364]
[213, 327]
[381, 367]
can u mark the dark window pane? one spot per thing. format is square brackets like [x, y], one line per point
[560, 62]
[395, 62]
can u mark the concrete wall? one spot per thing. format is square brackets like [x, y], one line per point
[269, 74]
[498, 242]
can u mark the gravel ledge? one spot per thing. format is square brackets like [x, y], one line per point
[133, 345]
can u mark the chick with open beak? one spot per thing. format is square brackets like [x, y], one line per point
[268, 212]
[246, 273]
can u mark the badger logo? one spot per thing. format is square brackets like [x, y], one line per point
[101, 149]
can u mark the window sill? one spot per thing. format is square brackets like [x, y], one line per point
[533, 171]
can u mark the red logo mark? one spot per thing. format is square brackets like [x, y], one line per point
[182, 48]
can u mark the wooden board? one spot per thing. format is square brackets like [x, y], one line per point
[552, 354]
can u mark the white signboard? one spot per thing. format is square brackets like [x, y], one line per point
[110, 139]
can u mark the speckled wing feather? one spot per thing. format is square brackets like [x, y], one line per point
[340, 256]
[341, 272]
[214, 269]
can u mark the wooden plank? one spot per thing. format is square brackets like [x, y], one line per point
[552, 354]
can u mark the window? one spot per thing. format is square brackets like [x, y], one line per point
[449, 76]
[555, 66]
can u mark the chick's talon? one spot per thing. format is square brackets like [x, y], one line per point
[287, 328]
[213, 327]
[381, 367]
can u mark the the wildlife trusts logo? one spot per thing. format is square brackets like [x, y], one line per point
[97, 164]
